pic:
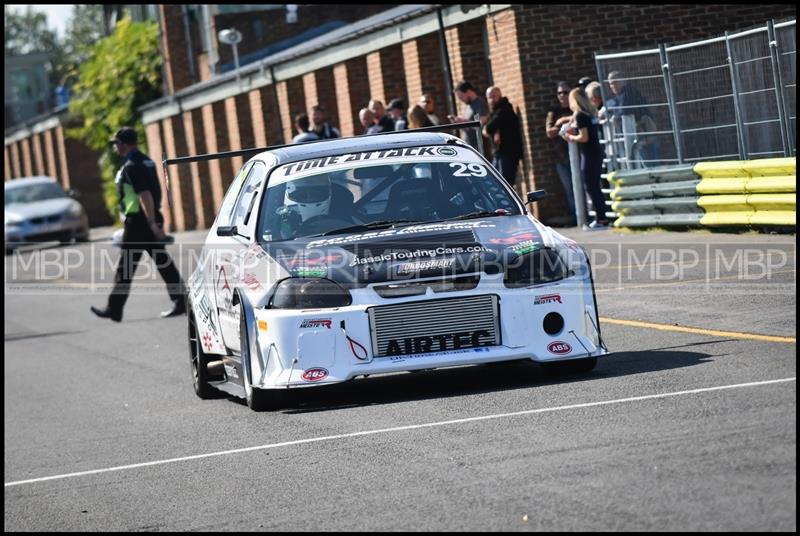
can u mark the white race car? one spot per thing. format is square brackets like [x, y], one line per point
[353, 257]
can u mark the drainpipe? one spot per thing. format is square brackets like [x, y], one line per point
[189, 49]
[209, 34]
[448, 73]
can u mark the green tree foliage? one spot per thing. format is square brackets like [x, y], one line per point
[85, 28]
[26, 32]
[121, 73]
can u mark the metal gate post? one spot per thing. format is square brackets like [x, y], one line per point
[673, 111]
[741, 135]
[778, 79]
[629, 140]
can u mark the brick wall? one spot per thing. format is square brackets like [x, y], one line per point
[63, 174]
[27, 165]
[467, 55]
[38, 156]
[326, 94]
[50, 153]
[182, 196]
[198, 171]
[16, 168]
[505, 58]
[352, 94]
[425, 72]
[7, 173]
[210, 131]
[394, 75]
[155, 146]
[84, 173]
[173, 48]
[375, 76]
[291, 101]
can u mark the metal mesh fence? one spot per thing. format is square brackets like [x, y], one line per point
[786, 41]
[639, 91]
[730, 97]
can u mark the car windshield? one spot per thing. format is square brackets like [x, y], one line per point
[380, 188]
[32, 193]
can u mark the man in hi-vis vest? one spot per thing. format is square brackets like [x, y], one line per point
[139, 201]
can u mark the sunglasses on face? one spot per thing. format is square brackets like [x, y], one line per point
[563, 93]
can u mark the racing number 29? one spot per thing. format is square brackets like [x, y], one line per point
[468, 170]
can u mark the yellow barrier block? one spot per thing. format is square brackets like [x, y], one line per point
[722, 185]
[784, 183]
[720, 169]
[784, 218]
[727, 218]
[766, 167]
[779, 202]
[724, 203]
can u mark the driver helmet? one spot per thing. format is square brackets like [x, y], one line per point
[423, 171]
[309, 196]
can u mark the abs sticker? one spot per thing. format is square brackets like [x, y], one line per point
[315, 374]
[559, 348]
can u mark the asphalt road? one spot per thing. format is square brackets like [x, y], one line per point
[689, 425]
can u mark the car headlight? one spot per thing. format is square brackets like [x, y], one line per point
[534, 268]
[12, 220]
[309, 293]
[75, 212]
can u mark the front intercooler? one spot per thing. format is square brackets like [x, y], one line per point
[435, 325]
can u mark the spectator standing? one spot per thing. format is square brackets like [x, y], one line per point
[475, 109]
[301, 124]
[595, 94]
[429, 106]
[417, 118]
[628, 100]
[367, 119]
[583, 82]
[377, 109]
[139, 200]
[397, 112]
[560, 114]
[503, 128]
[319, 125]
[584, 121]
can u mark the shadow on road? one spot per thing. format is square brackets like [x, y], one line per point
[471, 380]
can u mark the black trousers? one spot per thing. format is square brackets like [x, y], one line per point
[137, 239]
[592, 168]
[507, 165]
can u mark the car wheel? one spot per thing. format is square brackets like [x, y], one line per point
[571, 366]
[199, 362]
[257, 399]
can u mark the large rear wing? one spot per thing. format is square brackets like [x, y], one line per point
[244, 152]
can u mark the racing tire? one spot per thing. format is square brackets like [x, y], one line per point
[571, 366]
[198, 361]
[257, 399]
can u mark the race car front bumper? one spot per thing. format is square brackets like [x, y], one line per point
[303, 348]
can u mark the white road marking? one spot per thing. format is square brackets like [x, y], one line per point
[399, 429]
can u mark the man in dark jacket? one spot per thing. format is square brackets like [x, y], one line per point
[139, 201]
[503, 129]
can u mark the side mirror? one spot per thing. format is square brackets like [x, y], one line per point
[536, 195]
[74, 194]
[228, 230]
